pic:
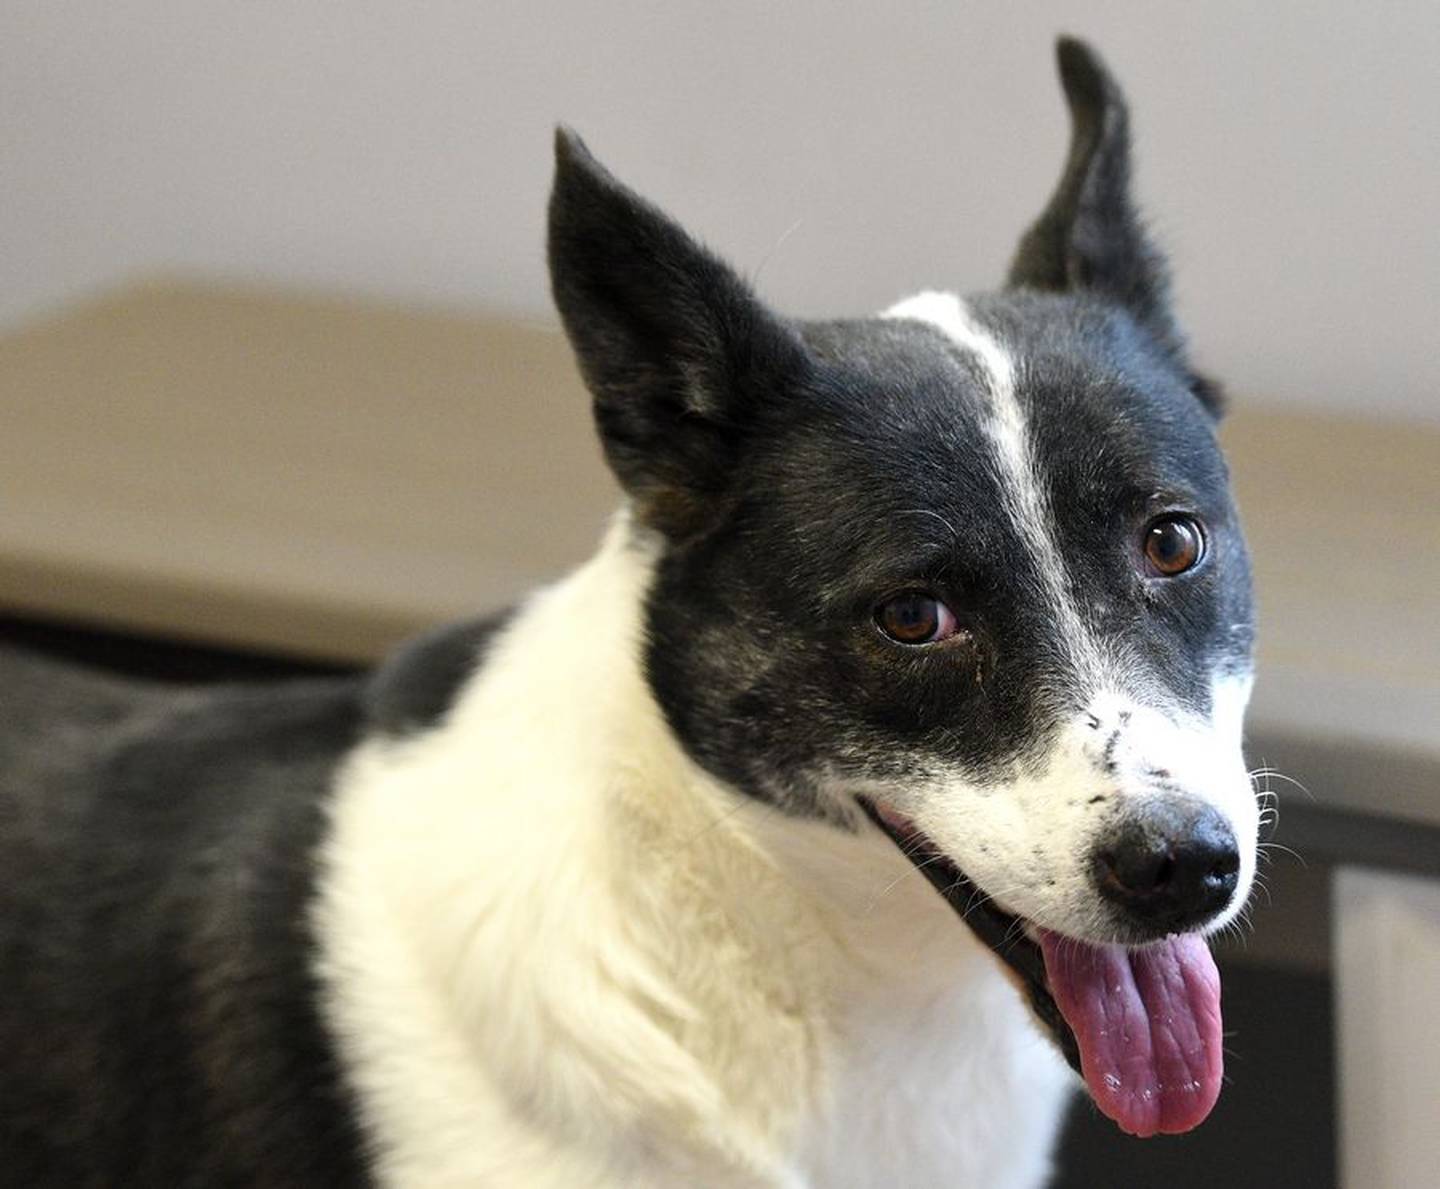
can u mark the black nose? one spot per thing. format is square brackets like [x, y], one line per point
[1171, 866]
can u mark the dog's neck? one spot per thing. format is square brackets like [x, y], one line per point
[576, 655]
[665, 937]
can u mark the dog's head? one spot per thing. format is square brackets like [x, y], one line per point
[971, 569]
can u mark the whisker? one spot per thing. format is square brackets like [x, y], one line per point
[1262, 886]
[914, 869]
[954, 536]
[778, 244]
[1265, 847]
[1270, 773]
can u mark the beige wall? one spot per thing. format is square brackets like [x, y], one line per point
[1289, 151]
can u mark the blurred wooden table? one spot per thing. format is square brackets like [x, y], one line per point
[309, 476]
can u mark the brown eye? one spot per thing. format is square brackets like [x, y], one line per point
[1174, 544]
[916, 618]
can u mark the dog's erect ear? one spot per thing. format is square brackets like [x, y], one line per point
[1091, 236]
[675, 348]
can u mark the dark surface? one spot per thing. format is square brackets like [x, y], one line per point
[1274, 1126]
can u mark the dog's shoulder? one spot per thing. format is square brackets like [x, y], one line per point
[419, 681]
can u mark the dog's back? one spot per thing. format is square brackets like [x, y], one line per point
[157, 1021]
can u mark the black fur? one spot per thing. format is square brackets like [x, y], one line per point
[158, 1019]
[415, 687]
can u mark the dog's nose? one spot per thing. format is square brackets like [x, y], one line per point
[1171, 866]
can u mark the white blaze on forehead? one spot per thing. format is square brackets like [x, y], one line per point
[1024, 494]
[947, 313]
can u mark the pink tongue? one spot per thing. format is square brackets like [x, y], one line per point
[1148, 1025]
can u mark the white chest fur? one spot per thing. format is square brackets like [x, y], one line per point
[935, 1073]
[555, 953]
[953, 1087]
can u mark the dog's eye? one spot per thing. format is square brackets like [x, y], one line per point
[1174, 544]
[916, 618]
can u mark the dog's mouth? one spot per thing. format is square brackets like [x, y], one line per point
[1141, 1026]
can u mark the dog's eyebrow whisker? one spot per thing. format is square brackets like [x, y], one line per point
[954, 536]
[774, 249]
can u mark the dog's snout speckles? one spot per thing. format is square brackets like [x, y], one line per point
[1107, 756]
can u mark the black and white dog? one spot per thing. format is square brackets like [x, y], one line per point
[621, 888]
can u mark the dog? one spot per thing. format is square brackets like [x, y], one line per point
[882, 765]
